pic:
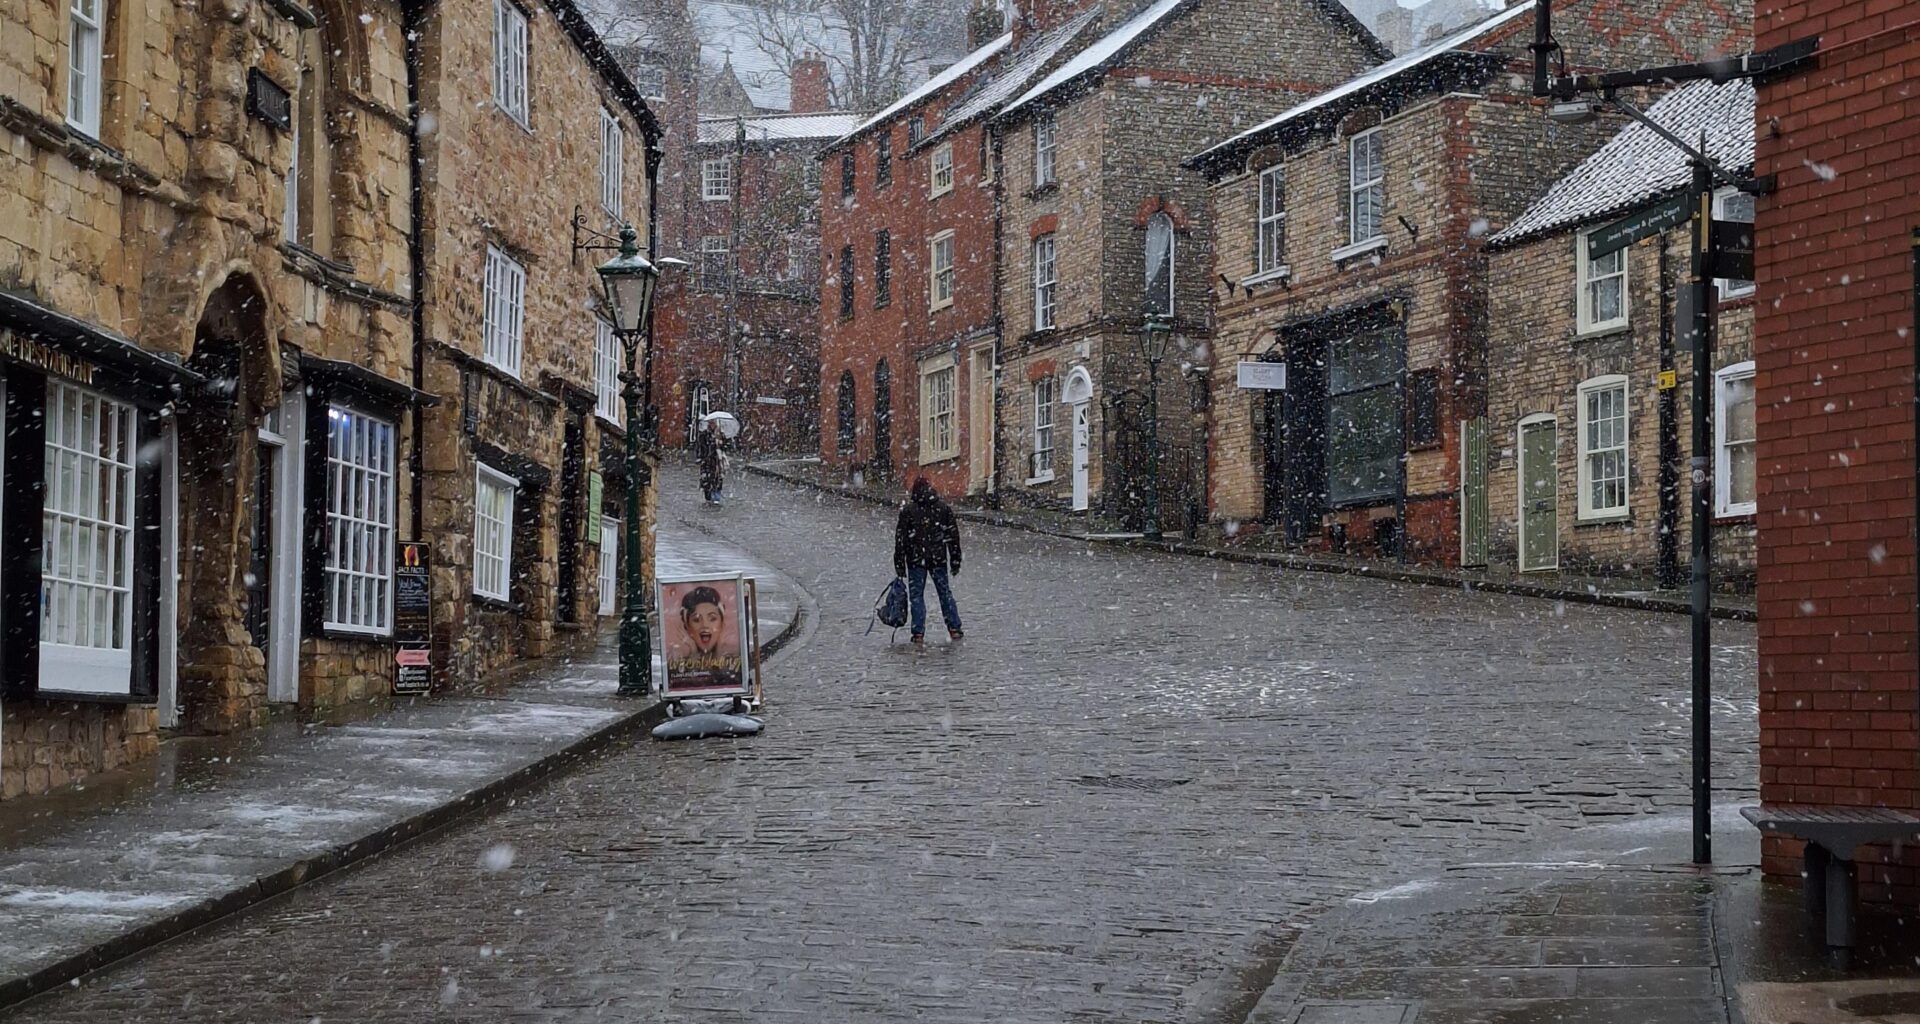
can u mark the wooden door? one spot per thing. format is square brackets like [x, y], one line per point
[1473, 492]
[1539, 495]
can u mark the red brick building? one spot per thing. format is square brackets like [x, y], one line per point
[907, 286]
[1834, 350]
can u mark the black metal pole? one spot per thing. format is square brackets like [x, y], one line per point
[1153, 450]
[1702, 464]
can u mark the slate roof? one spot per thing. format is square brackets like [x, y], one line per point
[781, 127]
[1357, 87]
[934, 84]
[1014, 75]
[1109, 48]
[1637, 165]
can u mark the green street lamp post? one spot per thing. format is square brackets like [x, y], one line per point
[629, 279]
[1153, 344]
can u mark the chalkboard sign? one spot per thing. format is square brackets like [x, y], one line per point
[412, 620]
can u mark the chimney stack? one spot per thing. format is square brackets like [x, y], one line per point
[807, 92]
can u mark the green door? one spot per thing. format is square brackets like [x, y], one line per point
[1539, 495]
[1473, 492]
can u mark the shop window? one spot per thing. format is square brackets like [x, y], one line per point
[1734, 490]
[1603, 447]
[86, 550]
[606, 371]
[505, 311]
[360, 515]
[510, 60]
[609, 563]
[1363, 417]
[493, 494]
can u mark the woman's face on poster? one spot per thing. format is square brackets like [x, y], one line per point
[705, 623]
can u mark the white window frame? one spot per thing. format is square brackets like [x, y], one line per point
[716, 262]
[79, 595]
[1044, 150]
[1722, 462]
[493, 565]
[360, 534]
[1583, 282]
[606, 371]
[940, 273]
[1270, 231]
[1162, 222]
[290, 214]
[613, 147]
[940, 171]
[1045, 402]
[939, 409]
[1373, 181]
[510, 60]
[716, 179]
[1046, 281]
[504, 311]
[609, 565]
[86, 40]
[1733, 288]
[1587, 452]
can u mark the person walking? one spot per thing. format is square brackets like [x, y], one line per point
[707, 447]
[926, 545]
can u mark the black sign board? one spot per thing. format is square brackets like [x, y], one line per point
[412, 620]
[267, 101]
[1642, 223]
[1732, 250]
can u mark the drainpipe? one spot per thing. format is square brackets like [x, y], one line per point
[999, 322]
[413, 16]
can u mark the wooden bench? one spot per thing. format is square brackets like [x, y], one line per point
[1832, 835]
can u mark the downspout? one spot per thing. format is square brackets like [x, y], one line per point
[1668, 542]
[412, 17]
[999, 320]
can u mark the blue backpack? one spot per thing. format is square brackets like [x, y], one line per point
[891, 609]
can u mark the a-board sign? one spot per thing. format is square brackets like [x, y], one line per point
[412, 619]
[1257, 375]
[1645, 222]
[706, 636]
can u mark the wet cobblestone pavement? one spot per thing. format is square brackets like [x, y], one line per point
[1118, 799]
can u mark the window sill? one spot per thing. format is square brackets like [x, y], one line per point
[1347, 252]
[1045, 478]
[496, 604]
[1279, 273]
[363, 635]
[1731, 516]
[1604, 519]
[934, 460]
[515, 118]
[1603, 331]
[609, 423]
[882, 304]
[944, 305]
[1042, 191]
[940, 192]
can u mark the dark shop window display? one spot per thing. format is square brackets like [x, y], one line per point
[1363, 417]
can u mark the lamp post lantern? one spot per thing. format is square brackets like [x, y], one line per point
[1153, 345]
[629, 279]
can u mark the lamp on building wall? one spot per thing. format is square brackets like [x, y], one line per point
[628, 280]
[1153, 344]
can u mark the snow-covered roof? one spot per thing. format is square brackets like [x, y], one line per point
[1383, 73]
[1105, 49]
[1637, 165]
[781, 127]
[1014, 74]
[936, 83]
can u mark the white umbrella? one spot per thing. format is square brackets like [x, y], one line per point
[728, 423]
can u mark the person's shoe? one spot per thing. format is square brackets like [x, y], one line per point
[919, 638]
[956, 634]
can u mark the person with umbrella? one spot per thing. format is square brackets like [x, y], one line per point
[713, 427]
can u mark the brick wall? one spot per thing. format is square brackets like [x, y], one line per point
[1834, 347]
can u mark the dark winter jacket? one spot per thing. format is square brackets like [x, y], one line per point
[707, 447]
[927, 534]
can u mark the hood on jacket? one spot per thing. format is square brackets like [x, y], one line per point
[923, 492]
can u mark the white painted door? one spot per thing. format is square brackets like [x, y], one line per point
[1081, 457]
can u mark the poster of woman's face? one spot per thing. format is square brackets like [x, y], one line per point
[701, 628]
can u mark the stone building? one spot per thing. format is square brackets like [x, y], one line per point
[1351, 250]
[1101, 226]
[523, 468]
[1834, 351]
[1586, 439]
[209, 343]
[907, 284]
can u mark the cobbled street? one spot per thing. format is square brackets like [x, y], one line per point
[1116, 800]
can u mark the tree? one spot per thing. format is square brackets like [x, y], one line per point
[875, 49]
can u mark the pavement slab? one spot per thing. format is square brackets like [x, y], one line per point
[101, 870]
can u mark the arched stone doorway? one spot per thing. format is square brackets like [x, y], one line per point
[223, 679]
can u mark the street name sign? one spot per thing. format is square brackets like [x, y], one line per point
[1257, 375]
[1645, 222]
[1732, 250]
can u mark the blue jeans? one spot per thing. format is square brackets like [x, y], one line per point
[917, 597]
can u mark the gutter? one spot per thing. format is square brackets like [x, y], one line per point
[413, 16]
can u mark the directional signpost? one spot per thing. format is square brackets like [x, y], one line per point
[1645, 222]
